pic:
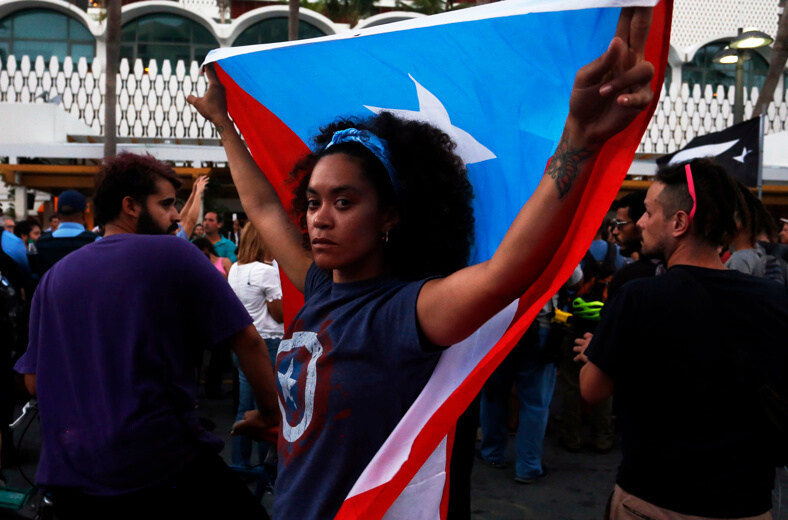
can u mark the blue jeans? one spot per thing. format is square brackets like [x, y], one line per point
[534, 384]
[242, 446]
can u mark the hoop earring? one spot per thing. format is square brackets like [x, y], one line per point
[385, 236]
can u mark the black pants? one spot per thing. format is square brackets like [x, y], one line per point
[462, 463]
[207, 488]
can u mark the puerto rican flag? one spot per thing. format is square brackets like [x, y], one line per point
[496, 78]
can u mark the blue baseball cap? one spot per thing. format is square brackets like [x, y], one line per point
[71, 202]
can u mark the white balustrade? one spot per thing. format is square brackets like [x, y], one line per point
[151, 101]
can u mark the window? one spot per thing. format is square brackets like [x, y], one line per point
[703, 71]
[668, 77]
[275, 30]
[42, 32]
[165, 37]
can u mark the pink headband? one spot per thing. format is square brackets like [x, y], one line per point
[691, 188]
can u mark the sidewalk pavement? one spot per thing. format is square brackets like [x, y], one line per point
[576, 488]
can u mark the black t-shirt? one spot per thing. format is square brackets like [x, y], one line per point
[640, 269]
[683, 349]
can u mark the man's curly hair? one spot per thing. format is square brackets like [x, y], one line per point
[435, 230]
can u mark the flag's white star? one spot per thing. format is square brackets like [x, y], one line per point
[432, 111]
[741, 157]
[286, 383]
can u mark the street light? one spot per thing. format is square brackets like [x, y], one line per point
[738, 53]
[728, 56]
[751, 39]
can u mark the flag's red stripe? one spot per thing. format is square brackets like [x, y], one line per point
[275, 148]
[614, 160]
[444, 512]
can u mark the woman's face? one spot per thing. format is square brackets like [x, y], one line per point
[35, 233]
[344, 222]
[198, 230]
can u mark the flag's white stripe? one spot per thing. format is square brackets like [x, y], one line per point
[453, 367]
[493, 10]
[421, 500]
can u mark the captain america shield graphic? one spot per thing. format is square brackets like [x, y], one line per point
[303, 377]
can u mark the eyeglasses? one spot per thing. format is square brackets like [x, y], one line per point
[691, 188]
[621, 223]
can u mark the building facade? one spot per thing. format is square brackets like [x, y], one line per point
[52, 52]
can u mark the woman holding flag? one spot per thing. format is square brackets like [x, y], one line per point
[385, 229]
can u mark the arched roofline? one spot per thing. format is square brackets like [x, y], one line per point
[131, 12]
[59, 6]
[674, 58]
[384, 18]
[260, 14]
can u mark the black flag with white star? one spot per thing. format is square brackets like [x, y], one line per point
[736, 148]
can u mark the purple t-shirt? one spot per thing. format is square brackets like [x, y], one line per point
[351, 364]
[116, 332]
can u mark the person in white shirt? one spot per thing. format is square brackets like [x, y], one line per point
[255, 280]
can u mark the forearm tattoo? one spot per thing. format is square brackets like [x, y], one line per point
[220, 131]
[564, 166]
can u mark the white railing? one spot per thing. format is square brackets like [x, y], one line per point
[152, 101]
[683, 114]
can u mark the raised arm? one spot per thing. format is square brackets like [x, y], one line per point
[258, 196]
[191, 210]
[607, 95]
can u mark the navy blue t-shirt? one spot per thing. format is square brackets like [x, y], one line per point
[116, 331]
[351, 364]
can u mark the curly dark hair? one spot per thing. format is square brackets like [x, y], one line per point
[435, 230]
[204, 245]
[635, 203]
[718, 199]
[24, 227]
[128, 175]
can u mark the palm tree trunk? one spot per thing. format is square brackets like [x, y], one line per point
[776, 67]
[292, 20]
[110, 77]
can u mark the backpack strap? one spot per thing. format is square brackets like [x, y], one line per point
[589, 262]
[610, 257]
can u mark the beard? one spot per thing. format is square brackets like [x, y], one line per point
[631, 246]
[654, 251]
[147, 226]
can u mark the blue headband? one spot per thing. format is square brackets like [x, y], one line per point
[379, 148]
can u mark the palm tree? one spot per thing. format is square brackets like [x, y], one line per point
[110, 77]
[424, 6]
[776, 65]
[223, 6]
[292, 19]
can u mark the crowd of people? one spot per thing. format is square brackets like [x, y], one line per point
[651, 329]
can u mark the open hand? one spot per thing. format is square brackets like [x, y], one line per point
[213, 105]
[612, 90]
[200, 184]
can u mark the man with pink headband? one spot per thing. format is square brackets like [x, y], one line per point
[685, 356]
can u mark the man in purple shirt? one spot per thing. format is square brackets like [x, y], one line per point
[116, 332]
